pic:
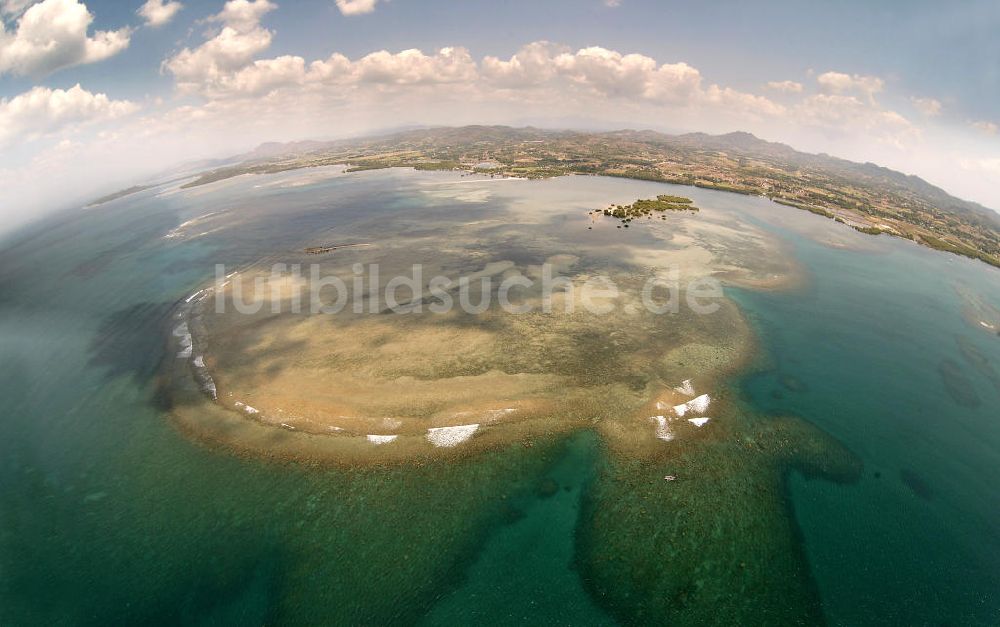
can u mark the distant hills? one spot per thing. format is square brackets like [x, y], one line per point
[864, 196]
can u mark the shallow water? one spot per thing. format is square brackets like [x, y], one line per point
[109, 514]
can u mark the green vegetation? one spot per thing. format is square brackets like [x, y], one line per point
[865, 197]
[810, 208]
[646, 207]
[119, 194]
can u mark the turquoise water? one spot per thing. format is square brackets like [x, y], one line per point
[109, 515]
[865, 342]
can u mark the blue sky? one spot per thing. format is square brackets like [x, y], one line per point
[912, 85]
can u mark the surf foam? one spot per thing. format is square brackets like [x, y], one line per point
[450, 436]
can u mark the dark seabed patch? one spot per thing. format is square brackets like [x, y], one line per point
[720, 544]
[130, 341]
[959, 387]
[793, 384]
[916, 483]
[978, 360]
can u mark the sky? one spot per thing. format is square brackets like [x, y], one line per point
[96, 95]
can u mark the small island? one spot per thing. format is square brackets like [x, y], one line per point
[645, 207]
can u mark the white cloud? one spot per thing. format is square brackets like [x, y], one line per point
[411, 67]
[612, 3]
[14, 7]
[158, 13]
[42, 111]
[531, 65]
[52, 35]
[989, 166]
[990, 128]
[839, 115]
[607, 71]
[231, 49]
[729, 99]
[596, 70]
[840, 83]
[928, 106]
[356, 7]
[788, 87]
[243, 98]
[243, 15]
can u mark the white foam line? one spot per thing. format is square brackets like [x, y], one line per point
[194, 296]
[201, 373]
[246, 408]
[381, 439]
[696, 405]
[451, 436]
[182, 331]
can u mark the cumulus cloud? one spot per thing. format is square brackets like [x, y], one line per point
[228, 51]
[411, 67]
[928, 106]
[990, 128]
[840, 83]
[597, 70]
[42, 111]
[840, 114]
[356, 7]
[158, 13]
[989, 166]
[52, 35]
[788, 87]
[543, 67]
[530, 66]
[14, 7]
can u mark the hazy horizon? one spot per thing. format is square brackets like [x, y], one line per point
[98, 95]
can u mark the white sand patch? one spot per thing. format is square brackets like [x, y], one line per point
[451, 436]
[681, 409]
[663, 431]
[698, 422]
[381, 439]
[686, 388]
